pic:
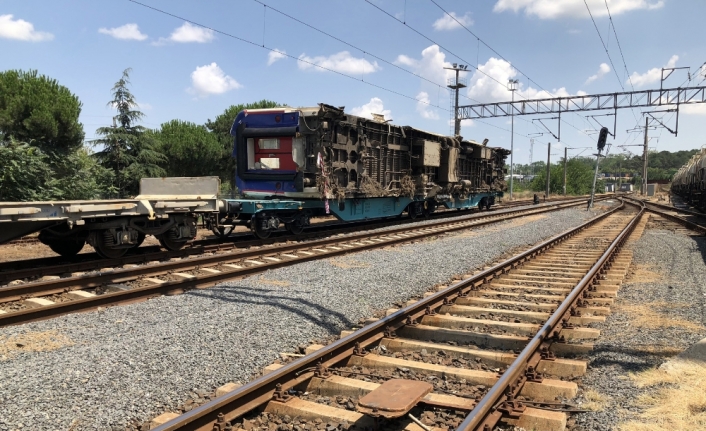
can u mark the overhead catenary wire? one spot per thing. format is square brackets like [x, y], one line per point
[457, 56]
[498, 54]
[397, 66]
[285, 54]
[304, 61]
[604, 45]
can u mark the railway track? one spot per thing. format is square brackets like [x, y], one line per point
[56, 296]
[34, 269]
[691, 220]
[31, 269]
[492, 347]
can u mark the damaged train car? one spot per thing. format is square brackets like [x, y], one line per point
[302, 162]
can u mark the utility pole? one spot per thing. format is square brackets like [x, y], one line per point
[512, 86]
[457, 85]
[644, 160]
[549, 157]
[565, 151]
[531, 151]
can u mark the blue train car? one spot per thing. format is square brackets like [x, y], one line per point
[294, 164]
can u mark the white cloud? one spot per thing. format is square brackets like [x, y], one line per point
[423, 107]
[124, 32]
[375, 106]
[489, 84]
[20, 29]
[430, 65]
[446, 22]
[188, 33]
[651, 76]
[552, 9]
[275, 55]
[464, 123]
[341, 62]
[602, 70]
[693, 109]
[210, 79]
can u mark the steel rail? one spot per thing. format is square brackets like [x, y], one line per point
[680, 220]
[46, 266]
[475, 421]
[260, 390]
[14, 293]
[208, 280]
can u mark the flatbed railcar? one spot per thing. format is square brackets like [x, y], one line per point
[690, 181]
[166, 208]
[298, 163]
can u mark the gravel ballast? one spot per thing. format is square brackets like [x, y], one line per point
[674, 298]
[131, 363]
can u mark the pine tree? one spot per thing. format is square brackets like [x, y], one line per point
[127, 149]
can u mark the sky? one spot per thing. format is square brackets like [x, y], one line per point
[191, 60]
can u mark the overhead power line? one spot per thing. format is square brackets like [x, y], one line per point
[452, 53]
[617, 40]
[397, 66]
[263, 46]
[500, 55]
[604, 46]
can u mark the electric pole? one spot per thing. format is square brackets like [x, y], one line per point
[531, 151]
[565, 151]
[644, 160]
[549, 159]
[512, 86]
[457, 85]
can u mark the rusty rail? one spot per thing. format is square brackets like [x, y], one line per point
[486, 415]
[54, 265]
[214, 414]
[680, 220]
[202, 281]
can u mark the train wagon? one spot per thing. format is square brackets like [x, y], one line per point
[166, 208]
[690, 181]
[297, 163]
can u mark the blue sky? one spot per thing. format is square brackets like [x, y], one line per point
[183, 71]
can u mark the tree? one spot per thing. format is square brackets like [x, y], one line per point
[127, 149]
[190, 149]
[37, 110]
[579, 178]
[78, 175]
[24, 172]
[221, 128]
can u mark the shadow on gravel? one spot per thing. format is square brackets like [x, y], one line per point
[631, 359]
[701, 245]
[313, 312]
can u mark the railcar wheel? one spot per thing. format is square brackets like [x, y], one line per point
[103, 244]
[295, 227]
[67, 248]
[170, 243]
[483, 203]
[259, 231]
[412, 211]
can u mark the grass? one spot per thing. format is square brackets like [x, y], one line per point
[595, 401]
[348, 263]
[676, 399]
[656, 315]
[44, 341]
